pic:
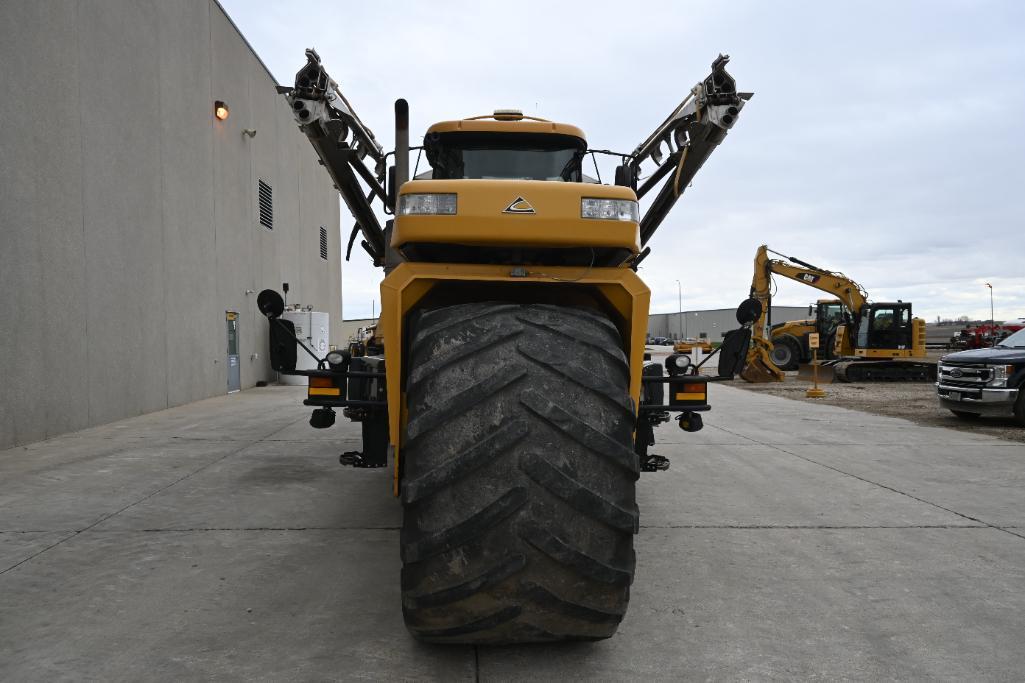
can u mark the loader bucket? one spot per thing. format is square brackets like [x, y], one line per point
[826, 373]
[759, 371]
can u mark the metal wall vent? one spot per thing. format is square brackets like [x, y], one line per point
[266, 205]
[323, 242]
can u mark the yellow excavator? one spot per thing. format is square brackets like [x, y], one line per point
[511, 396]
[858, 340]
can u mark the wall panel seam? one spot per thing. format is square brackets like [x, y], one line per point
[81, 185]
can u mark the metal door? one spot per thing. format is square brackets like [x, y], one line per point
[234, 373]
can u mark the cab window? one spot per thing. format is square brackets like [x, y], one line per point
[512, 156]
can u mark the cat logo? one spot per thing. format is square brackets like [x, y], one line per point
[807, 277]
[519, 205]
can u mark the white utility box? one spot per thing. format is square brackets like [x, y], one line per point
[312, 328]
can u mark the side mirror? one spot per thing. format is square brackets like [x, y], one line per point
[283, 351]
[749, 311]
[733, 352]
[624, 176]
[270, 303]
[811, 311]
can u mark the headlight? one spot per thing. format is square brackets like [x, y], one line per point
[609, 209]
[335, 358]
[1000, 375]
[682, 361]
[427, 204]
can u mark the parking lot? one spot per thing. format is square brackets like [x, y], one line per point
[222, 540]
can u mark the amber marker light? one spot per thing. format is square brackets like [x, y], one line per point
[221, 110]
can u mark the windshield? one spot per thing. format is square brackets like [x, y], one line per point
[834, 311]
[1015, 341]
[512, 156]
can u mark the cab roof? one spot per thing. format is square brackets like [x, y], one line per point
[506, 121]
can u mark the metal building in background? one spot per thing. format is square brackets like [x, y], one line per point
[711, 324]
[153, 181]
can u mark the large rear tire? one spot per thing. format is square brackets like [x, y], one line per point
[786, 353]
[519, 475]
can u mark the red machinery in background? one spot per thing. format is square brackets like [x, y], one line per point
[984, 335]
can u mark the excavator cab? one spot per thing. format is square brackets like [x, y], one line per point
[884, 328]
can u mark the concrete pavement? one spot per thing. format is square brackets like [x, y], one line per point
[221, 540]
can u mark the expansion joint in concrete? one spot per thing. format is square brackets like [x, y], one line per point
[1005, 529]
[841, 527]
[213, 462]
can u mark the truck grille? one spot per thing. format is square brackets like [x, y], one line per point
[963, 375]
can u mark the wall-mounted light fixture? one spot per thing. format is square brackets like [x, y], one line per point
[221, 110]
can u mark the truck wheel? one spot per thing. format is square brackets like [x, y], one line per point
[786, 353]
[519, 475]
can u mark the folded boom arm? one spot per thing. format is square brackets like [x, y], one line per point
[681, 144]
[346, 147]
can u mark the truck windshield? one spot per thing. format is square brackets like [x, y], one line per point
[513, 156]
[1015, 341]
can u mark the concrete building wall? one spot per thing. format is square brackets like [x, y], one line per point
[129, 215]
[711, 323]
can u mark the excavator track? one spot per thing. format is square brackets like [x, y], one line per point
[883, 371]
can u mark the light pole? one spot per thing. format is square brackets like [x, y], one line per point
[992, 317]
[679, 305]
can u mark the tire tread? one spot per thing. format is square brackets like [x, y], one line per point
[518, 475]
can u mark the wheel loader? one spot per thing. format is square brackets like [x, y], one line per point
[512, 401]
[790, 339]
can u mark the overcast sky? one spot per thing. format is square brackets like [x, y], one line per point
[884, 140]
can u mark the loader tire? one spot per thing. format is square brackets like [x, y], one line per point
[786, 353]
[519, 475]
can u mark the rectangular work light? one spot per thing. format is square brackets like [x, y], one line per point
[434, 204]
[609, 209]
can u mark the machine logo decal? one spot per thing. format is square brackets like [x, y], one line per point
[809, 278]
[519, 205]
